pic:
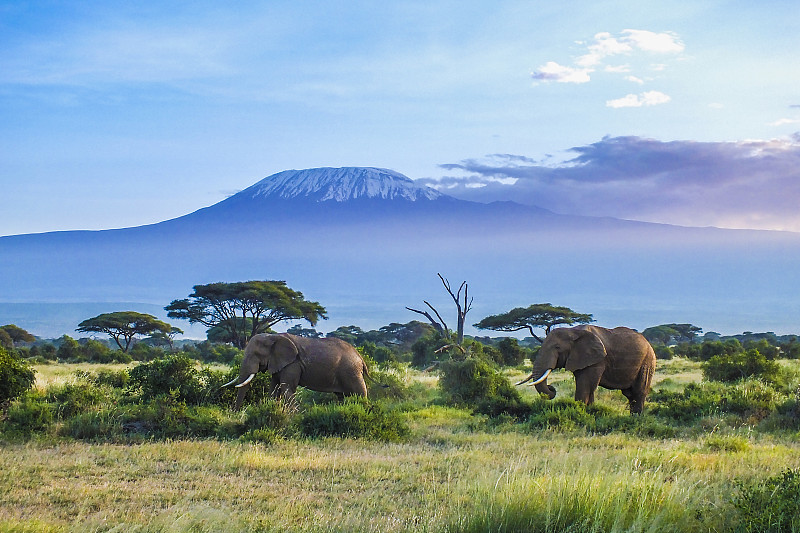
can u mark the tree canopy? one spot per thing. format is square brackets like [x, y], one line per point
[123, 326]
[669, 333]
[11, 333]
[243, 309]
[544, 316]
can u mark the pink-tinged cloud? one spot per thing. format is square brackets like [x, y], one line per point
[552, 71]
[747, 184]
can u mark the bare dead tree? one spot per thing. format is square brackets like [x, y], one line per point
[462, 307]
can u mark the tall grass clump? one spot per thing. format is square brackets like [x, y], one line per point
[771, 505]
[604, 502]
[354, 418]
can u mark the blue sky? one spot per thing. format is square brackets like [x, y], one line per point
[120, 114]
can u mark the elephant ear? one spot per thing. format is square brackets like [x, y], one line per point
[587, 350]
[284, 352]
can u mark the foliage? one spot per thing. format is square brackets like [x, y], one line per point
[353, 418]
[741, 365]
[424, 350]
[246, 308]
[123, 326]
[475, 383]
[666, 334]
[511, 353]
[11, 334]
[16, 376]
[28, 415]
[543, 315]
[175, 375]
[771, 505]
[749, 400]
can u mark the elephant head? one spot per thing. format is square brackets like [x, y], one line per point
[570, 348]
[263, 353]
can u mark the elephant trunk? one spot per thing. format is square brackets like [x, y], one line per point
[544, 364]
[240, 393]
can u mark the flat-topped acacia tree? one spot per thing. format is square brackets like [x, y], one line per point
[123, 326]
[544, 316]
[243, 309]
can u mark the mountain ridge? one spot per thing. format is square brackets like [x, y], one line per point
[370, 249]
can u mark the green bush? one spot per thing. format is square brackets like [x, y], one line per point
[354, 418]
[750, 399]
[770, 506]
[118, 379]
[178, 375]
[16, 377]
[167, 416]
[562, 414]
[71, 399]
[28, 415]
[741, 365]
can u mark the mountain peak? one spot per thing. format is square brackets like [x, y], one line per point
[340, 185]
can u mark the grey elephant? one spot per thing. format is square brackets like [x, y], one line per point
[618, 359]
[324, 365]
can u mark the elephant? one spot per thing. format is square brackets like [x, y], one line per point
[619, 359]
[324, 365]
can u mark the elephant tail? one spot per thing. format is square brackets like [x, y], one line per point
[368, 377]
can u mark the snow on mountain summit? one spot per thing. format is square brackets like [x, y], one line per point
[340, 185]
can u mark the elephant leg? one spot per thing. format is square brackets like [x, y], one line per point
[275, 385]
[586, 382]
[638, 392]
[340, 396]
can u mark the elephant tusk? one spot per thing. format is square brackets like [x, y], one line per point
[525, 380]
[544, 377]
[245, 382]
[231, 382]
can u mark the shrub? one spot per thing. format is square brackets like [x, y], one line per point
[748, 399]
[71, 399]
[355, 418]
[118, 379]
[173, 374]
[166, 416]
[733, 367]
[563, 414]
[16, 377]
[770, 505]
[28, 415]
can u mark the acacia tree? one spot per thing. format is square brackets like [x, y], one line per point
[123, 326]
[544, 316]
[243, 309]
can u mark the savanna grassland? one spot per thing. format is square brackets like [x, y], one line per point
[565, 468]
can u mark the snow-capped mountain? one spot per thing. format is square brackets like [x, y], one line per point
[366, 242]
[340, 185]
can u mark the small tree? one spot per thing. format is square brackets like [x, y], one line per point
[544, 316]
[243, 309]
[123, 326]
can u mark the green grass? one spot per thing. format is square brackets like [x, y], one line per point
[453, 472]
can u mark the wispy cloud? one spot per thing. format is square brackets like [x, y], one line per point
[648, 98]
[603, 48]
[748, 184]
[552, 71]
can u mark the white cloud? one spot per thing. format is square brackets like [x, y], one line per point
[648, 41]
[649, 98]
[785, 121]
[552, 71]
[634, 79]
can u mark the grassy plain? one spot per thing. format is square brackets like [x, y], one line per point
[456, 472]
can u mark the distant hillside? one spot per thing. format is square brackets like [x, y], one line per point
[366, 242]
